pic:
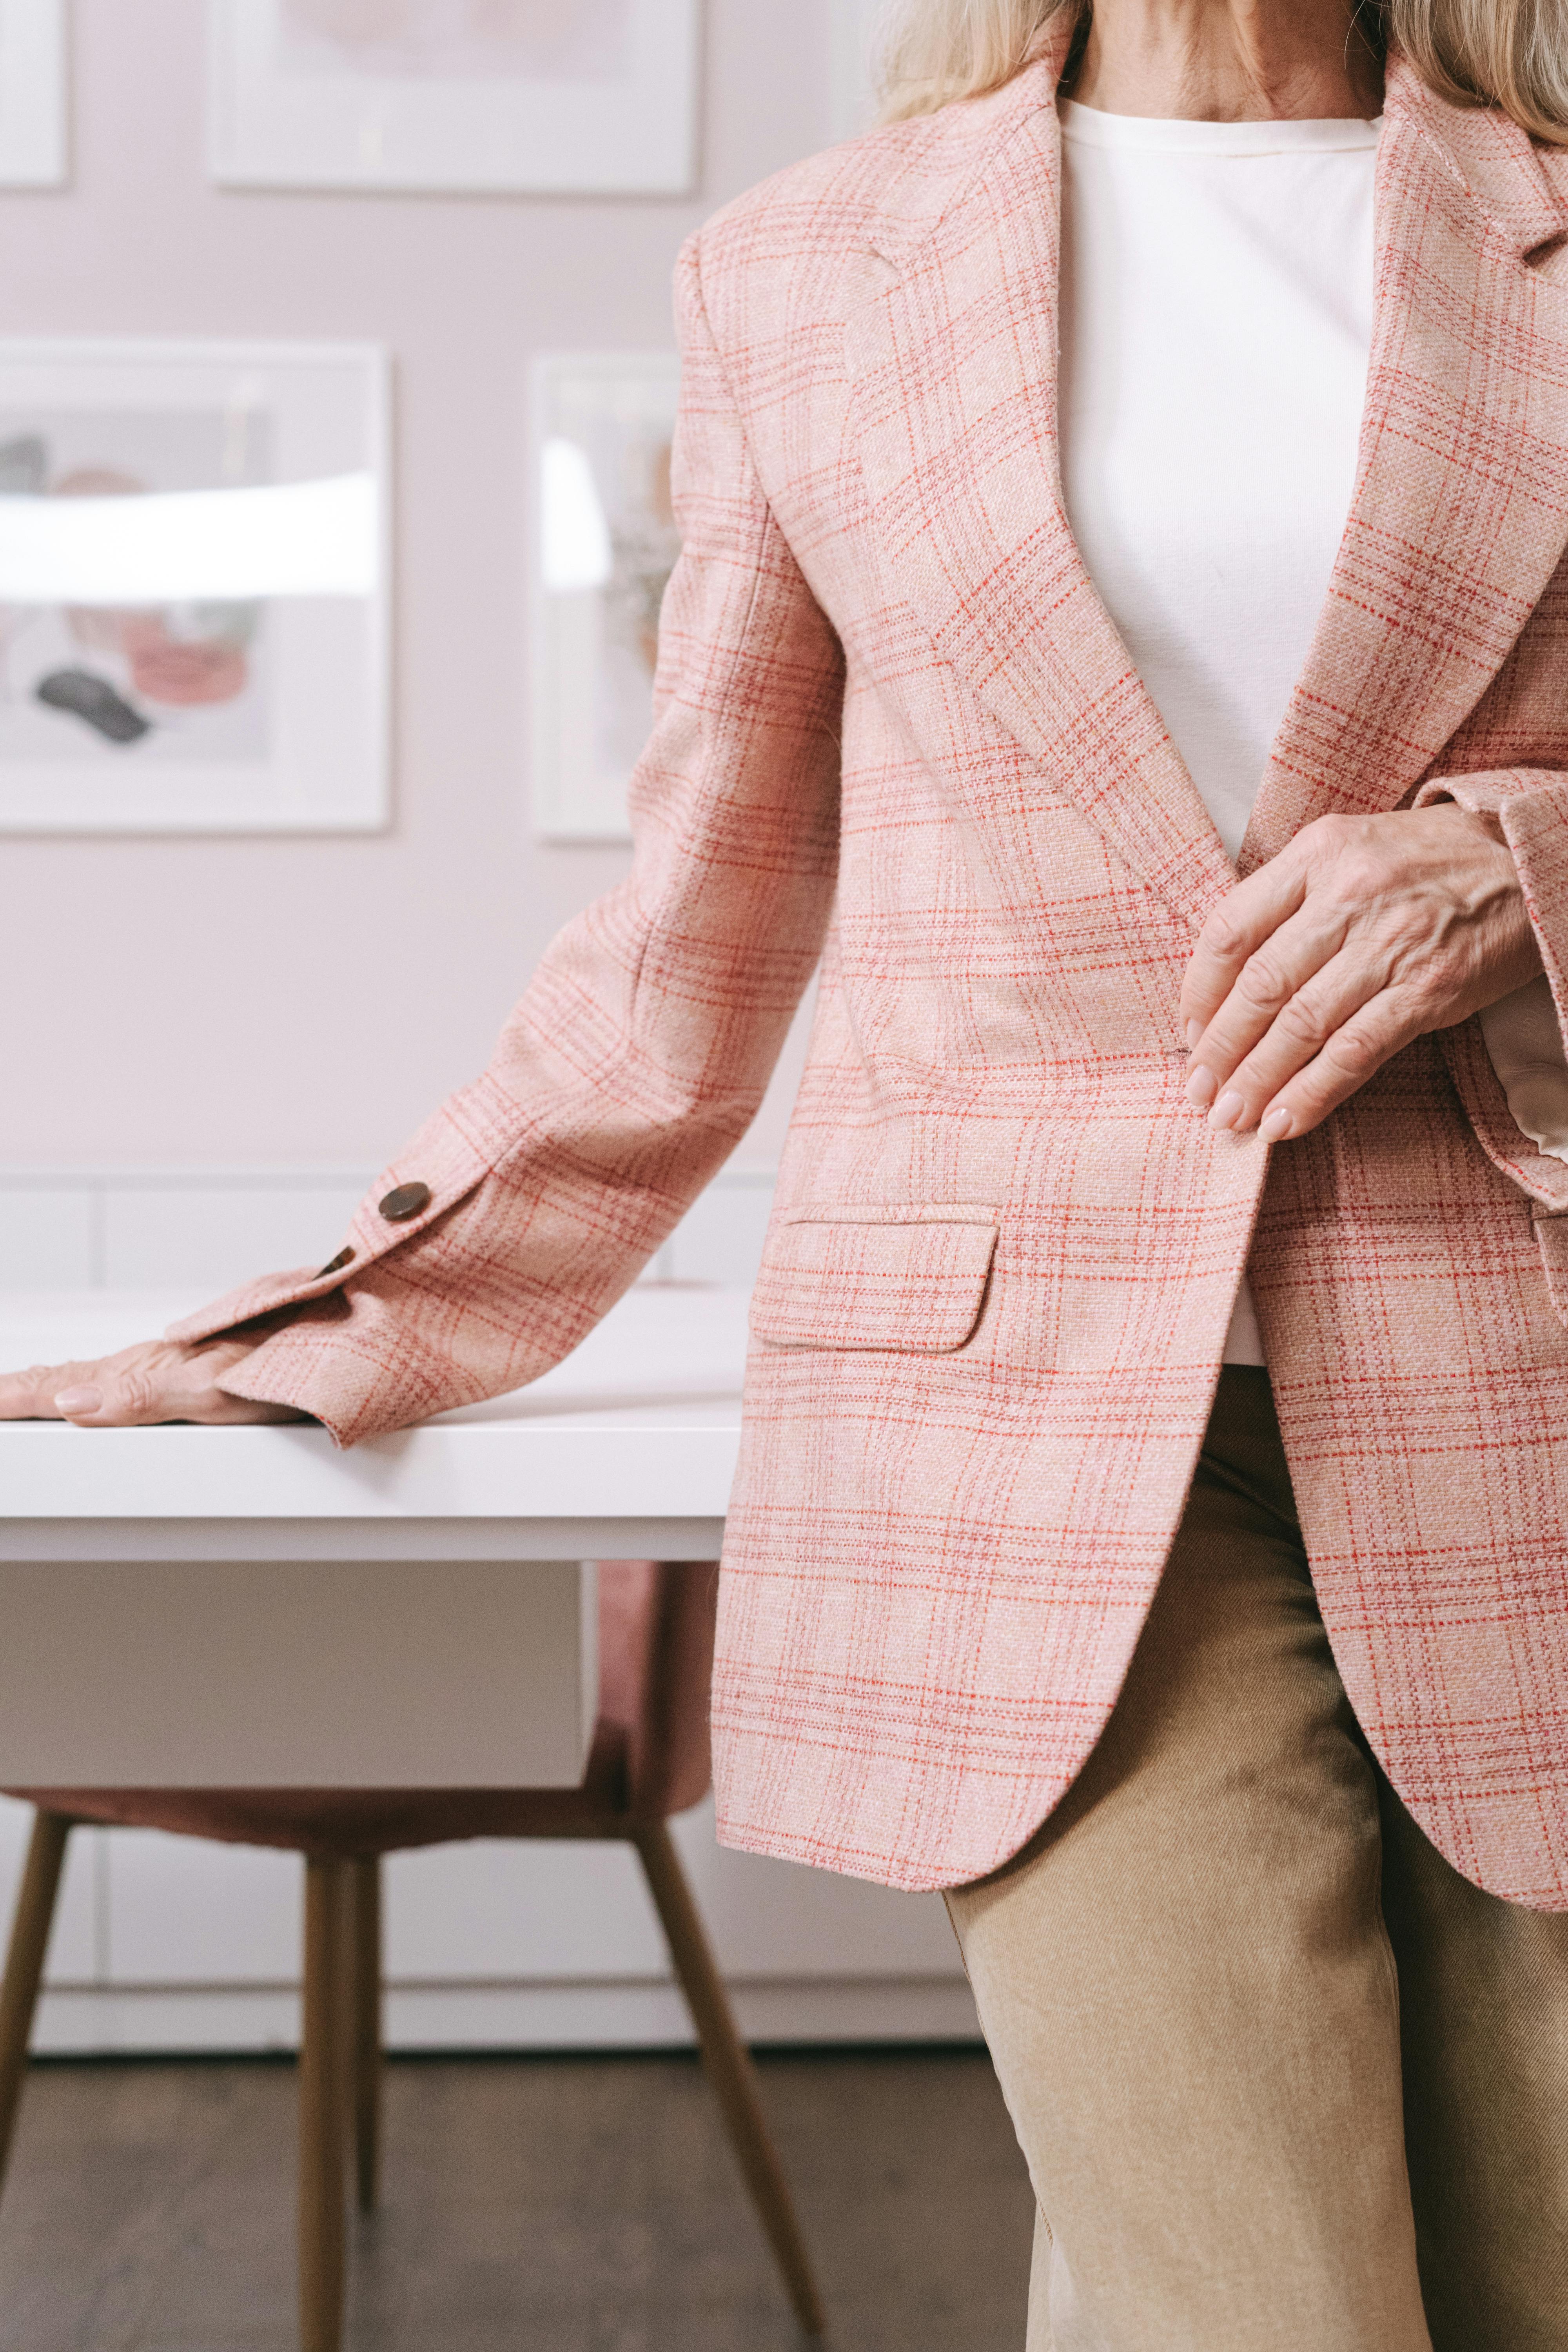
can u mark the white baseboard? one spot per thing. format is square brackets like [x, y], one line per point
[627, 2014]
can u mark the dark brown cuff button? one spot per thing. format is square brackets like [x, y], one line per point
[345, 1256]
[407, 1202]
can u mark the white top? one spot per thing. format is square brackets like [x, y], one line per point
[1216, 318]
[1216, 301]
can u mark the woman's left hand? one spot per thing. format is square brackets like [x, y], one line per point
[1364, 933]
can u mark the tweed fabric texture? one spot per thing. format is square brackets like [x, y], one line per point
[896, 726]
[1353, 2136]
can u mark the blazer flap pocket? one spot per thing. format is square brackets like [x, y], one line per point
[900, 1277]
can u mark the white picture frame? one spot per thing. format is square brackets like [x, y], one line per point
[194, 592]
[605, 544]
[34, 141]
[564, 97]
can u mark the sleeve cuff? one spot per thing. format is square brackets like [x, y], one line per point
[1509, 1064]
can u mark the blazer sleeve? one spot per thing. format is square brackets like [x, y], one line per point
[642, 1047]
[1531, 808]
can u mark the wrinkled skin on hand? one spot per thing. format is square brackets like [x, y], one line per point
[1362, 934]
[158, 1379]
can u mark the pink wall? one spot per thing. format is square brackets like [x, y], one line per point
[202, 1002]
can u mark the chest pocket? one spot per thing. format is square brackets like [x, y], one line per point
[905, 1277]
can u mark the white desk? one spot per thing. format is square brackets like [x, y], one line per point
[252, 1608]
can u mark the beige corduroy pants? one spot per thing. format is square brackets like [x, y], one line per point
[1285, 2081]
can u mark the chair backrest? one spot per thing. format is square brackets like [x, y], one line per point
[656, 1646]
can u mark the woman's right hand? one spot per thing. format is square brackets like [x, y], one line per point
[159, 1379]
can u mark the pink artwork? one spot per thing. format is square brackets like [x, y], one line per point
[79, 678]
[530, 40]
[194, 588]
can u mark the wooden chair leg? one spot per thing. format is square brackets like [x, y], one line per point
[25, 1962]
[729, 2069]
[323, 2075]
[367, 2033]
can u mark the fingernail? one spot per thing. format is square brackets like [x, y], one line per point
[71, 1401]
[1275, 1127]
[1202, 1088]
[1194, 1030]
[1227, 1110]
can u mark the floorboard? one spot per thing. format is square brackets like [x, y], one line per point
[532, 2205]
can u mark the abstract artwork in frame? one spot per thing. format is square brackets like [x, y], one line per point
[604, 426]
[549, 96]
[193, 597]
[32, 93]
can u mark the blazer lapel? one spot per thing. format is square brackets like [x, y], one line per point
[1459, 519]
[1460, 512]
[955, 354]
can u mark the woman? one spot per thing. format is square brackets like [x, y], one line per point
[1242, 1756]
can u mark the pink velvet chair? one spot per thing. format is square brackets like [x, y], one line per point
[650, 1759]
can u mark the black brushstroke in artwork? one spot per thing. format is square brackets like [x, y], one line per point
[88, 697]
[23, 466]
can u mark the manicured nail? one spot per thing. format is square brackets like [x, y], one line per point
[72, 1401]
[1227, 1110]
[1194, 1030]
[1276, 1126]
[1202, 1088]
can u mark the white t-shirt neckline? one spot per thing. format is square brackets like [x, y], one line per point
[1088, 126]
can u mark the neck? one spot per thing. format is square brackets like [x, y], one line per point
[1229, 60]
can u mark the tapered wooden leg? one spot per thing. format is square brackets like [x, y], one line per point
[729, 2069]
[366, 1995]
[25, 1962]
[323, 2075]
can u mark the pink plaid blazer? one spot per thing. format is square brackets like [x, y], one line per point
[896, 729]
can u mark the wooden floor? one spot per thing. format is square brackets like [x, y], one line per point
[538, 2205]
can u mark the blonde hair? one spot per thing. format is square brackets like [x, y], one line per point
[1507, 53]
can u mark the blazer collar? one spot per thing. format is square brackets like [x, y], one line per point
[1457, 521]
[956, 353]
[1461, 510]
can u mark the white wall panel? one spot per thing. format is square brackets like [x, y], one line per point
[47, 1237]
[494, 1909]
[213, 1235]
[490, 1909]
[77, 1944]
[188, 1911]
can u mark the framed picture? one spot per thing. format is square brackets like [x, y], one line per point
[603, 424]
[194, 602]
[32, 93]
[586, 97]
